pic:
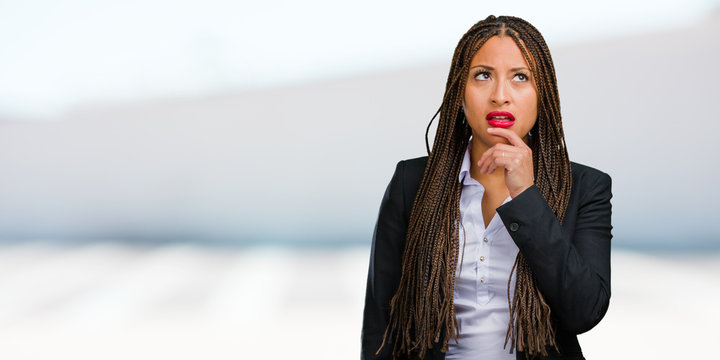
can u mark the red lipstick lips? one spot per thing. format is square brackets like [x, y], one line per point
[500, 119]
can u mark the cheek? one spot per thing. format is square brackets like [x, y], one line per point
[531, 106]
[532, 118]
[529, 110]
[473, 102]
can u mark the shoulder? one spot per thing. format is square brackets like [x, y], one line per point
[408, 176]
[583, 174]
[411, 171]
[414, 166]
[587, 179]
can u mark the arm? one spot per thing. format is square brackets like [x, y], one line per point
[572, 270]
[385, 267]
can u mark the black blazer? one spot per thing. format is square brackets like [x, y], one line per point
[571, 262]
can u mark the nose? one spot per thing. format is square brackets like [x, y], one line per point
[499, 95]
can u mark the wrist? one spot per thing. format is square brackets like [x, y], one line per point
[519, 190]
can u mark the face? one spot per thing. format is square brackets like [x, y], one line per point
[500, 86]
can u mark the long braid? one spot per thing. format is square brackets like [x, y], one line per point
[422, 310]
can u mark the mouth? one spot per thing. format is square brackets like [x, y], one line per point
[500, 119]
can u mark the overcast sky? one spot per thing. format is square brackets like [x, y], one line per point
[59, 54]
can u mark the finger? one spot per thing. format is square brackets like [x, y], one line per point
[510, 135]
[509, 159]
[486, 159]
[497, 147]
[489, 160]
[501, 158]
[496, 164]
[485, 162]
[500, 161]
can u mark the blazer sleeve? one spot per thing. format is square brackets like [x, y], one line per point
[572, 270]
[385, 267]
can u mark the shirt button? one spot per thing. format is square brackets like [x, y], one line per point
[482, 258]
[514, 226]
[482, 280]
[485, 239]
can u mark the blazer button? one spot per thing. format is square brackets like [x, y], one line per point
[514, 226]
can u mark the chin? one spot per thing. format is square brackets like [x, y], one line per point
[498, 139]
[491, 140]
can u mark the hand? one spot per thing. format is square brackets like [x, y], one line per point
[515, 158]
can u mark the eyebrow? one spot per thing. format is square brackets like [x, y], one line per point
[492, 68]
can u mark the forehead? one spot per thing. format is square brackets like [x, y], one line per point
[499, 51]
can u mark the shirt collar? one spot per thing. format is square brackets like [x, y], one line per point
[465, 167]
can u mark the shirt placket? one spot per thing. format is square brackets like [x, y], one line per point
[481, 258]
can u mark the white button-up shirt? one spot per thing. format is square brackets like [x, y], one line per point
[481, 279]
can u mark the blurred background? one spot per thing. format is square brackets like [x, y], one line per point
[195, 179]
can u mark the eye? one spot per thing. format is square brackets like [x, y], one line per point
[521, 77]
[482, 75]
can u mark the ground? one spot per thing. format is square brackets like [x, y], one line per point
[113, 301]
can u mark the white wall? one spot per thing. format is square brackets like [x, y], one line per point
[311, 162]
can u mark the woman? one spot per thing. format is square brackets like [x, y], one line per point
[496, 216]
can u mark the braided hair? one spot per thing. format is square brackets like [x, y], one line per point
[422, 310]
